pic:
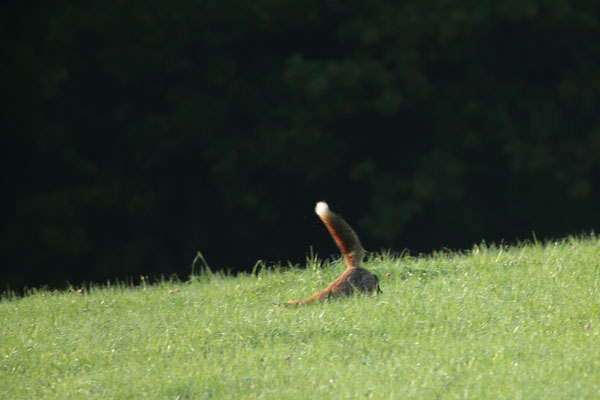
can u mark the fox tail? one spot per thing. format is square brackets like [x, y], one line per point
[344, 236]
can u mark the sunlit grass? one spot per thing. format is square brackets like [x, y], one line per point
[495, 322]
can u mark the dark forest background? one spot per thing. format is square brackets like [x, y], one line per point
[135, 134]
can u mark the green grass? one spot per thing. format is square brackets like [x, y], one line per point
[517, 322]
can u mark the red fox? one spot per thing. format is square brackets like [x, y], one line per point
[355, 276]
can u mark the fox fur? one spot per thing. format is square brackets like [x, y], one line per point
[354, 277]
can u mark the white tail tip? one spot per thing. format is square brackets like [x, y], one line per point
[321, 208]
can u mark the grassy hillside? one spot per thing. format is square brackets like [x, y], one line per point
[501, 322]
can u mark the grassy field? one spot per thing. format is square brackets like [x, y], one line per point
[517, 322]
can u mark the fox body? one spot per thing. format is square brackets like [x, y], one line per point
[354, 277]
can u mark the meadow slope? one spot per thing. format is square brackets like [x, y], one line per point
[517, 322]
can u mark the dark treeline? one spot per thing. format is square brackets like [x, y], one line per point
[138, 133]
